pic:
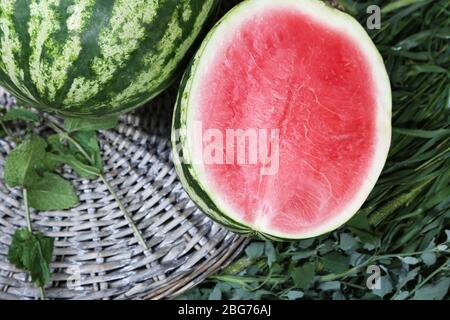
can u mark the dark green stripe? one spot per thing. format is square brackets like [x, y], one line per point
[124, 75]
[1, 35]
[21, 20]
[186, 27]
[100, 19]
[57, 40]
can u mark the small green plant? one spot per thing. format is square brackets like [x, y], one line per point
[34, 166]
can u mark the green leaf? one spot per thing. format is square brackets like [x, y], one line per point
[306, 243]
[406, 276]
[426, 134]
[16, 249]
[409, 260]
[435, 291]
[428, 68]
[50, 163]
[429, 258]
[32, 252]
[22, 163]
[347, 242]
[359, 221]
[295, 294]
[359, 226]
[336, 262]
[89, 142]
[255, 250]
[216, 294]
[61, 154]
[303, 255]
[385, 287]
[395, 5]
[20, 114]
[303, 276]
[73, 124]
[83, 170]
[52, 192]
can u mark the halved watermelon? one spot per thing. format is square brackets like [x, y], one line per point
[283, 122]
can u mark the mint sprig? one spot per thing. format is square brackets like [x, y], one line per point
[26, 167]
[81, 151]
[29, 166]
[32, 251]
[33, 166]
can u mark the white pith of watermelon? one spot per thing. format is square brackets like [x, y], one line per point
[314, 73]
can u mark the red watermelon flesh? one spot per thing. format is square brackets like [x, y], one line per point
[288, 70]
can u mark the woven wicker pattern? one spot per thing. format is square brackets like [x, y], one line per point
[96, 254]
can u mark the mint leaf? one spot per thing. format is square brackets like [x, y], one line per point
[409, 260]
[406, 276]
[73, 124]
[429, 258]
[303, 276]
[89, 142]
[52, 192]
[347, 242]
[216, 294]
[336, 262]
[435, 291]
[55, 144]
[50, 163]
[17, 247]
[255, 250]
[61, 154]
[359, 226]
[22, 163]
[32, 252]
[83, 170]
[360, 221]
[294, 294]
[330, 286]
[385, 287]
[20, 114]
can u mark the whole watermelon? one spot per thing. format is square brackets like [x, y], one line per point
[87, 58]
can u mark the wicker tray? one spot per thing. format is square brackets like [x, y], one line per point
[96, 255]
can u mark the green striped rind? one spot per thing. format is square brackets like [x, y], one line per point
[186, 172]
[85, 58]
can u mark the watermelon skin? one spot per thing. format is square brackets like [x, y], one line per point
[193, 179]
[88, 58]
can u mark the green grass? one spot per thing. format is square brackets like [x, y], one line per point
[403, 227]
